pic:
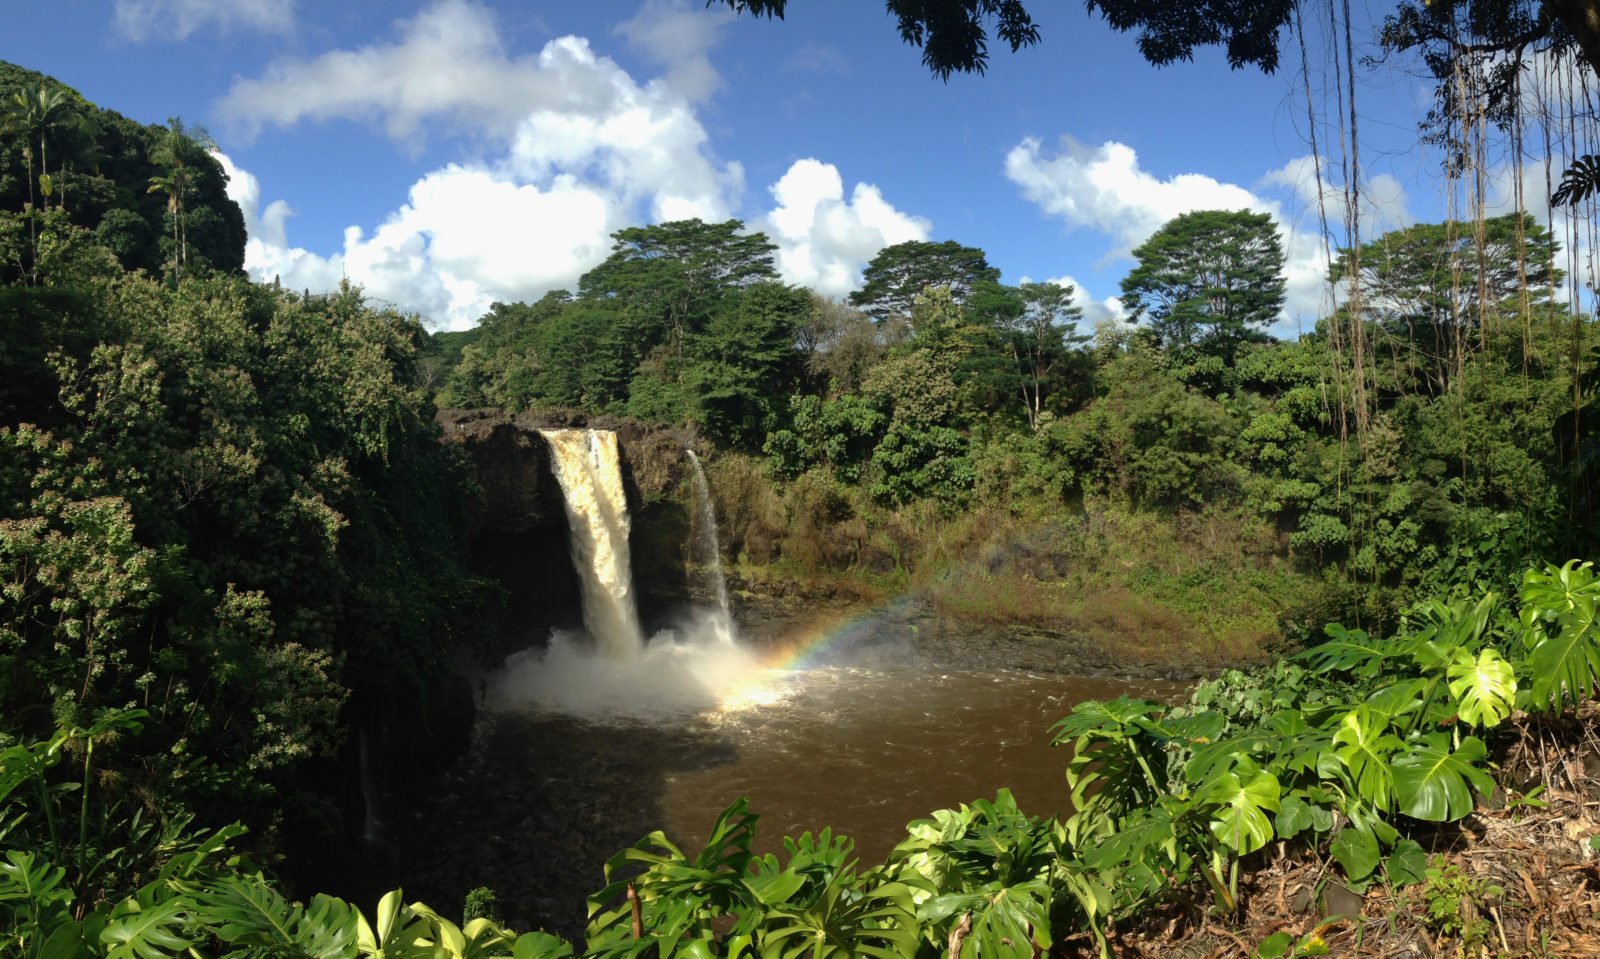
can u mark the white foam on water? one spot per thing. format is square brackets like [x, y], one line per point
[692, 669]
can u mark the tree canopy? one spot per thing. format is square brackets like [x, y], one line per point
[99, 167]
[900, 273]
[1211, 279]
[954, 36]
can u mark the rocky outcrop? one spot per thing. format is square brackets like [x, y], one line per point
[520, 538]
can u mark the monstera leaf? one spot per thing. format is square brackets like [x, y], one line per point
[1244, 796]
[1484, 688]
[1578, 182]
[1117, 766]
[1363, 745]
[32, 881]
[1435, 784]
[1349, 651]
[678, 897]
[1005, 920]
[245, 911]
[849, 918]
[155, 930]
[1559, 622]
[1118, 716]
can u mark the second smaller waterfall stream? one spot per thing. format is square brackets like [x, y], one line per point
[705, 536]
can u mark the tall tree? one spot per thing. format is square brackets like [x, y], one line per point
[33, 112]
[178, 152]
[1429, 290]
[684, 267]
[1211, 280]
[1040, 340]
[900, 273]
[1489, 43]
[954, 36]
[839, 344]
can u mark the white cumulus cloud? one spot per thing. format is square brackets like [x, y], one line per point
[141, 20]
[578, 149]
[584, 150]
[824, 239]
[1105, 189]
[449, 64]
[1095, 311]
[679, 37]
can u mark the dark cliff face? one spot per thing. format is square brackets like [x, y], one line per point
[521, 536]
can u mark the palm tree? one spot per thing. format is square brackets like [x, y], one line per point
[178, 148]
[34, 112]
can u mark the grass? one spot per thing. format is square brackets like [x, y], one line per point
[1213, 586]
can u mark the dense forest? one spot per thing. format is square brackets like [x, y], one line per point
[231, 543]
[943, 403]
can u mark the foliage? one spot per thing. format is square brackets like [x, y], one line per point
[1342, 750]
[1211, 280]
[227, 506]
[953, 37]
[899, 274]
[985, 396]
[99, 165]
[1455, 902]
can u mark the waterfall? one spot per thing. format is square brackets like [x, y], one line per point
[587, 467]
[693, 666]
[371, 826]
[709, 546]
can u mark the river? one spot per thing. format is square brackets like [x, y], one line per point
[545, 799]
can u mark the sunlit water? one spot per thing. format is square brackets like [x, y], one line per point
[861, 749]
[867, 750]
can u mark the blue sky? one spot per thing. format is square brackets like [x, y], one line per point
[447, 153]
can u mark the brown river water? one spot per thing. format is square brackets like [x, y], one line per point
[867, 750]
[545, 799]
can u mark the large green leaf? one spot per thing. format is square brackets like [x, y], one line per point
[1196, 729]
[1565, 662]
[541, 945]
[1111, 716]
[1485, 688]
[1147, 835]
[1356, 849]
[1407, 865]
[1364, 745]
[157, 930]
[1435, 784]
[32, 879]
[1555, 591]
[678, 898]
[1297, 814]
[1348, 650]
[1446, 629]
[1006, 920]
[1207, 759]
[1244, 797]
[850, 918]
[246, 911]
[394, 931]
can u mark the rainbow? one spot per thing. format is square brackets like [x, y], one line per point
[813, 645]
